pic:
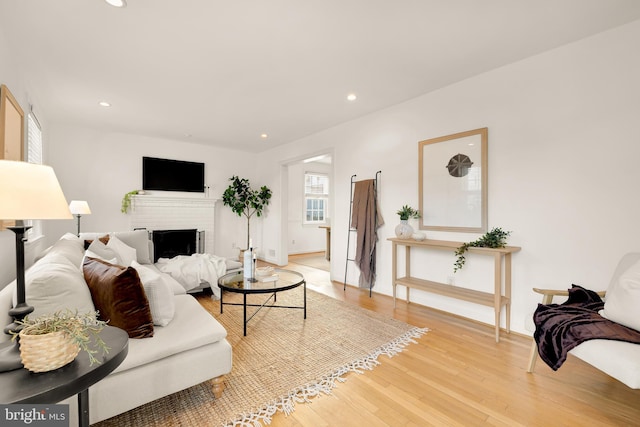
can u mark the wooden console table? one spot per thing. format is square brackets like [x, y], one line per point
[495, 299]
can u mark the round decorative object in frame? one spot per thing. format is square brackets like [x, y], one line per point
[459, 165]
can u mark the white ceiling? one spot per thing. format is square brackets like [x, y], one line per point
[224, 72]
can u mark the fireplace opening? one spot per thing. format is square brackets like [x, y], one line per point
[171, 243]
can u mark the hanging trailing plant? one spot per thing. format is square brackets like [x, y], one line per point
[126, 201]
[496, 238]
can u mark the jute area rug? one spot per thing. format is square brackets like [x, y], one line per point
[282, 361]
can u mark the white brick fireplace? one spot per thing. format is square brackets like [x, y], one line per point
[175, 213]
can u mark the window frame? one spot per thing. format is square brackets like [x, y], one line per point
[324, 197]
[34, 154]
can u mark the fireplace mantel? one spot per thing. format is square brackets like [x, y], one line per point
[174, 213]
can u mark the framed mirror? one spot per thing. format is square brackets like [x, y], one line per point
[452, 182]
[11, 126]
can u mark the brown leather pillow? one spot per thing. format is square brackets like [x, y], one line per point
[119, 297]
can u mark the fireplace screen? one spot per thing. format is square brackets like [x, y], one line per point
[171, 243]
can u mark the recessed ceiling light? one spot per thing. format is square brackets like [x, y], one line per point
[264, 136]
[351, 97]
[117, 3]
[104, 104]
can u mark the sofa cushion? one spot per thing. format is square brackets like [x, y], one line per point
[55, 284]
[159, 294]
[137, 239]
[192, 327]
[126, 253]
[623, 299]
[119, 297]
[68, 245]
[103, 252]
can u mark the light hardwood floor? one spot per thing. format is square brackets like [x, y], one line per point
[457, 375]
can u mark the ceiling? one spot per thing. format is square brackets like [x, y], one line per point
[225, 72]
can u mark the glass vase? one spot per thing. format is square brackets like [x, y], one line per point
[404, 230]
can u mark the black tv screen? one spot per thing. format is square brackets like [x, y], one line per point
[172, 175]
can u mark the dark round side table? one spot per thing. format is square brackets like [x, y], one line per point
[22, 386]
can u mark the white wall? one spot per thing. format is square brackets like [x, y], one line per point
[12, 78]
[101, 167]
[563, 174]
[303, 238]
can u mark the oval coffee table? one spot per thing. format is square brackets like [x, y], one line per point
[237, 283]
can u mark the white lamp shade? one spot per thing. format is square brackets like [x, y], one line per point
[30, 191]
[79, 207]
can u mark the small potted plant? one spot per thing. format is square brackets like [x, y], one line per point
[243, 200]
[404, 230]
[51, 341]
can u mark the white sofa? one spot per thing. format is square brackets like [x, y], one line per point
[190, 349]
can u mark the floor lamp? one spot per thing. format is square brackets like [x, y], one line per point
[79, 208]
[27, 191]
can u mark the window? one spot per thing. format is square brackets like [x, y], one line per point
[316, 198]
[34, 155]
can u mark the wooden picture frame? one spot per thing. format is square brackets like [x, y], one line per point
[452, 182]
[11, 133]
[11, 126]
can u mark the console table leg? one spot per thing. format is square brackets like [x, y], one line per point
[83, 408]
[497, 292]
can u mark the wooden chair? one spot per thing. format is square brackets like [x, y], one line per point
[620, 360]
[547, 298]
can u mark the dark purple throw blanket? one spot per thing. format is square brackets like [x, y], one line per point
[561, 327]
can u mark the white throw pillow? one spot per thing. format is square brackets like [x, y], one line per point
[173, 284]
[90, 254]
[159, 294]
[55, 284]
[103, 252]
[623, 299]
[126, 253]
[139, 240]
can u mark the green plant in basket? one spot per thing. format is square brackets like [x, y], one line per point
[80, 328]
[496, 238]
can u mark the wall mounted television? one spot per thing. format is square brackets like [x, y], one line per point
[172, 175]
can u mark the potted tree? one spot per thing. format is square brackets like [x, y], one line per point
[243, 200]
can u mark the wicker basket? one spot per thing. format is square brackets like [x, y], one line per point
[42, 353]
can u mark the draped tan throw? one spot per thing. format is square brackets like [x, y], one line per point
[366, 219]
